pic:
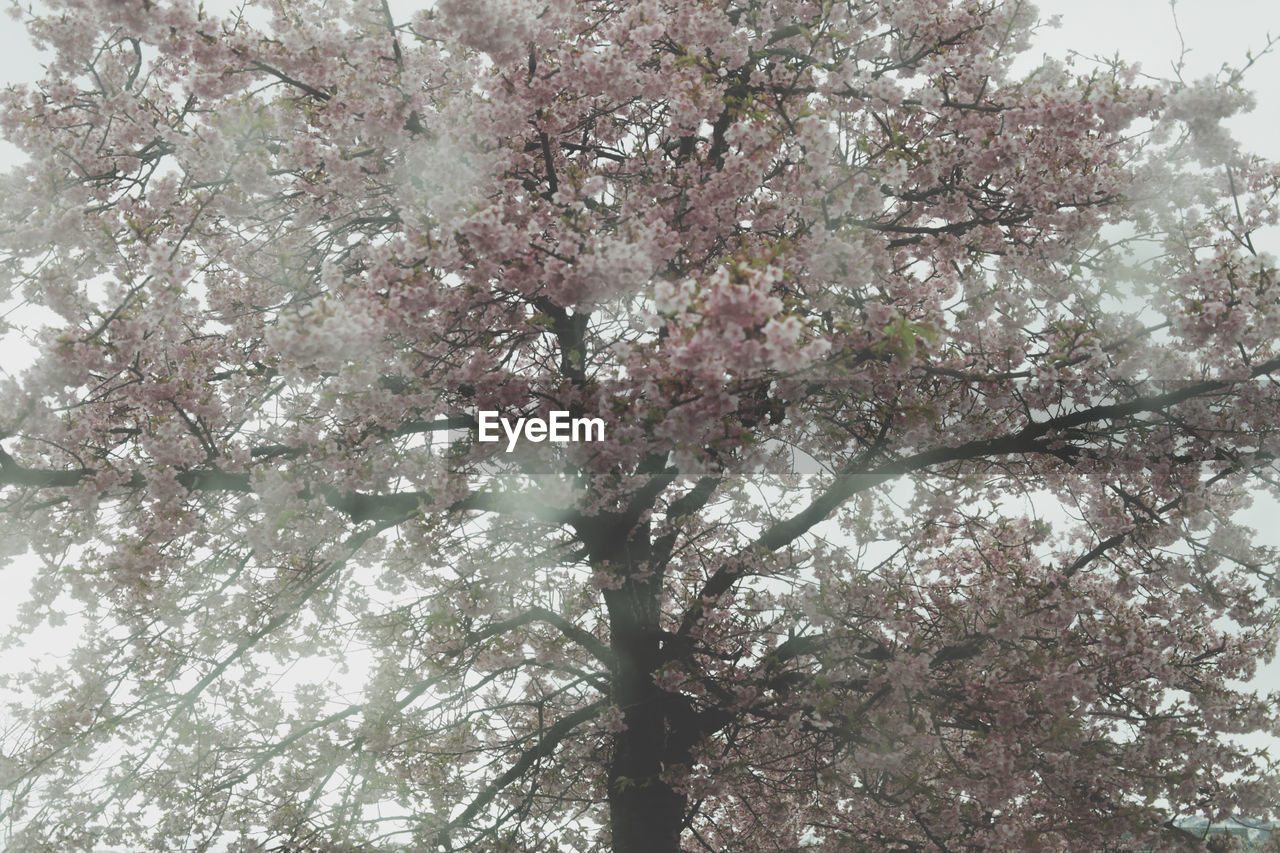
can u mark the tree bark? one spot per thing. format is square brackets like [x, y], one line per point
[646, 815]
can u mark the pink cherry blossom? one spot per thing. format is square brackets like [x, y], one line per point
[916, 524]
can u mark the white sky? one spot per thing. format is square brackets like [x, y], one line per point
[1214, 32]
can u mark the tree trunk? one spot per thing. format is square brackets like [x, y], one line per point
[645, 814]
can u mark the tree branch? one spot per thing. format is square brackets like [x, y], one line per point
[546, 745]
[584, 638]
[358, 506]
[851, 479]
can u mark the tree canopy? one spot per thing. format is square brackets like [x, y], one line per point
[931, 391]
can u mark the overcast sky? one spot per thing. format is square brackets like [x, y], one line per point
[1212, 31]
[1207, 33]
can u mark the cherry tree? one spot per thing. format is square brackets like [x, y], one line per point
[931, 391]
